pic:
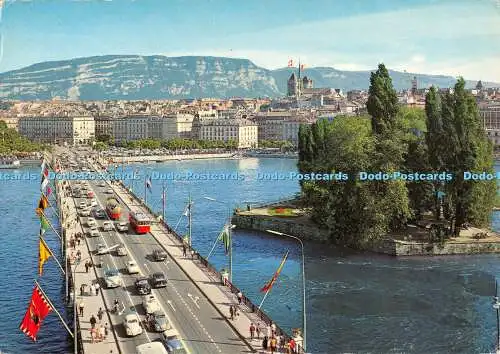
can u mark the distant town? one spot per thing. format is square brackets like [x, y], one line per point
[247, 122]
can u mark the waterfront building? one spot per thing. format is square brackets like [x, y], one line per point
[271, 124]
[490, 120]
[103, 125]
[12, 122]
[243, 131]
[71, 130]
[291, 128]
[177, 125]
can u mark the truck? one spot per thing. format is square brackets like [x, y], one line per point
[113, 209]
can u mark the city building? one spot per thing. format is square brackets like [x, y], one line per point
[103, 126]
[291, 128]
[11, 122]
[490, 119]
[271, 125]
[177, 125]
[244, 132]
[71, 130]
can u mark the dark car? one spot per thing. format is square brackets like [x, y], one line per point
[142, 286]
[158, 280]
[158, 321]
[99, 213]
[159, 255]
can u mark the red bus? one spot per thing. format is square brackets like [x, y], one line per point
[113, 209]
[139, 222]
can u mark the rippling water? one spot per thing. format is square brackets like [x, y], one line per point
[356, 302]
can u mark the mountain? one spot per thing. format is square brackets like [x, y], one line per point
[134, 77]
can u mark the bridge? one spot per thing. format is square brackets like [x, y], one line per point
[195, 301]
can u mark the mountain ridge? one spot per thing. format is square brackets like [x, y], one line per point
[133, 77]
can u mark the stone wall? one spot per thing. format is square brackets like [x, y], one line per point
[263, 223]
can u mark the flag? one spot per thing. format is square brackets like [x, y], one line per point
[43, 203]
[148, 183]
[225, 237]
[290, 63]
[186, 211]
[270, 284]
[38, 309]
[49, 190]
[44, 224]
[42, 167]
[45, 182]
[43, 255]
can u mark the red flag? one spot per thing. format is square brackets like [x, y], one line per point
[38, 309]
[270, 283]
[49, 190]
[290, 63]
[46, 172]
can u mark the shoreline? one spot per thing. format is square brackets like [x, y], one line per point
[163, 158]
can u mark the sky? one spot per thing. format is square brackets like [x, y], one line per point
[459, 37]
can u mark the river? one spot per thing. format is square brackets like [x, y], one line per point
[355, 302]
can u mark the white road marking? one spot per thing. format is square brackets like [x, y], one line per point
[172, 306]
[194, 300]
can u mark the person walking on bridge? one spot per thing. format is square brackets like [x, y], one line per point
[81, 306]
[184, 249]
[257, 330]
[240, 297]
[252, 331]
[93, 321]
[231, 312]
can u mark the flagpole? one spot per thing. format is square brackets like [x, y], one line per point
[48, 202]
[48, 222]
[230, 235]
[213, 247]
[55, 310]
[265, 295]
[145, 190]
[190, 217]
[164, 196]
[53, 256]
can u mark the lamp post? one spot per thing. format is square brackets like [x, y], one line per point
[230, 226]
[74, 295]
[496, 305]
[304, 316]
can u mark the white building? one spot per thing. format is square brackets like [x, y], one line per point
[72, 130]
[242, 131]
[177, 125]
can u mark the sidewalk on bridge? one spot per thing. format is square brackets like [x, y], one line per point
[210, 284]
[92, 303]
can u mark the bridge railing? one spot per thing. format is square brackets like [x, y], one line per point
[255, 309]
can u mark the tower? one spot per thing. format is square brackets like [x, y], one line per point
[292, 85]
[414, 85]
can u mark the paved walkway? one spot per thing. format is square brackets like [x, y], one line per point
[209, 284]
[91, 302]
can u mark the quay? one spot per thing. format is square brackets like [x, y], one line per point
[195, 300]
[163, 158]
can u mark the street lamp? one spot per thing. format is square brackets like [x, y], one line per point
[230, 226]
[74, 294]
[304, 316]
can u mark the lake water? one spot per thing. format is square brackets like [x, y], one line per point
[356, 302]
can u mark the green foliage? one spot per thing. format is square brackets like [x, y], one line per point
[178, 144]
[12, 143]
[100, 146]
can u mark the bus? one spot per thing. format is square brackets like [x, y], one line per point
[139, 222]
[113, 209]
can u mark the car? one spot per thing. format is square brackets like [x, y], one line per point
[150, 303]
[132, 324]
[99, 213]
[109, 191]
[91, 221]
[174, 345]
[113, 278]
[159, 255]
[132, 267]
[107, 226]
[158, 280]
[93, 233]
[121, 250]
[93, 227]
[122, 226]
[82, 205]
[85, 212]
[142, 286]
[155, 347]
[159, 321]
[93, 203]
[102, 249]
[102, 184]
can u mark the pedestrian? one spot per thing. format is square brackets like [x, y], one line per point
[81, 306]
[102, 332]
[106, 330]
[79, 255]
[93, 321]
[281, 341]
[92, 289]
[192, 254]
[86, 267]
[273, 345]
[292, 345]
[92, 334]
[184, 249]
[273, 329]
[257, 330]
[240, 297]
[252, 331]
[116, 305]
[82, 289]
[99, 314]
[97, 287]
[264, 343]
[78, 241]
[231, 311]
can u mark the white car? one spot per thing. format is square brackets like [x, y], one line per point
[132, 267]
[113, 278]
[150, 303]
[102, 184]
[107, 226]
[102, 249]
[109, 191]
[93, 227]
[85, 212]
[94, 233]
[122, 226]
[132, 324]
[82, 205]
[91, 222]
[93, 203]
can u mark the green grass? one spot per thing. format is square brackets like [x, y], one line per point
[281, 212]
